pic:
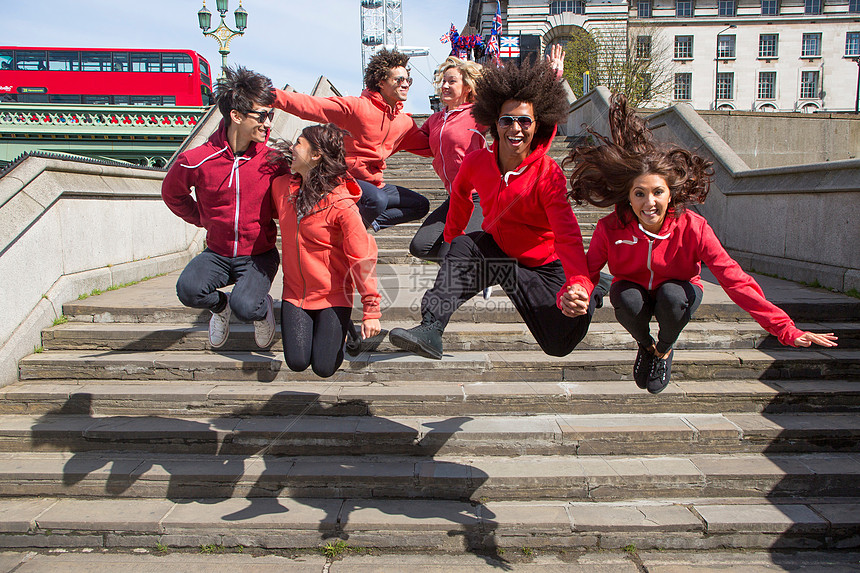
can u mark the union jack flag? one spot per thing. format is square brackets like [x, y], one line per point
[510, 46]
[497, 20]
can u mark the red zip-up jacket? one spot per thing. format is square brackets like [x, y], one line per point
[376, 129]
[526, 211]
[677, 253]
[232, 203]
[452, 135]
[328, 251]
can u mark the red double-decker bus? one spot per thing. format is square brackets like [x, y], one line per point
[100, 76]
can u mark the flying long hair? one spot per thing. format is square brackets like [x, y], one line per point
[603, 173]
[327, 140]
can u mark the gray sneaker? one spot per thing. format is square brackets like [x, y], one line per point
[219, 326]
[264, 330]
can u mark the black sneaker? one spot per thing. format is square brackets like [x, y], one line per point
[355, 346]
[661, 370]
[642, 366]
[424, 340]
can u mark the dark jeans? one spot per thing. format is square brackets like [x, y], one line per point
[389, 205]
[199, 282]
[672, 304]
[429, 243]
[314, 337]
[476, 261]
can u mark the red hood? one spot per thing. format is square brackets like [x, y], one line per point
[218, 139]
[379, 102]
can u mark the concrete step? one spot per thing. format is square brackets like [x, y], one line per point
[574, 478]
[430, 436]
[440, 398]
[493, 529]
[458, 336]
[402, 287]
[581, 365]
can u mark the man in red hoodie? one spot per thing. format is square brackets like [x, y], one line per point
[231, 180]
[378, 127]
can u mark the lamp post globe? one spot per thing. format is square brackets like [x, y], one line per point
[223, 33]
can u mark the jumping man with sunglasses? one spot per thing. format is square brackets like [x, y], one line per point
[377, 128]
[529, 242]
[231, 181]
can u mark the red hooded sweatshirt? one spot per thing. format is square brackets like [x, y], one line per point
[526, 211]
[327, 251]
[376, 129]
[232, 195]
[677, 252]
[452, 135]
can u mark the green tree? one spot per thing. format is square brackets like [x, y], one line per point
[635, 61]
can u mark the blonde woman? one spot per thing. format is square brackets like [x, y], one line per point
[452, 134]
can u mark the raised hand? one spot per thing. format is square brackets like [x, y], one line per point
[556, 59]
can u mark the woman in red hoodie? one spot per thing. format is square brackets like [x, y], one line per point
[655, 247]
[326, 250]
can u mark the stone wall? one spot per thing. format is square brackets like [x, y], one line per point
[796, 222]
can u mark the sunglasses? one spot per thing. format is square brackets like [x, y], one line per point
[261, 115]
[508, 120]
[402, 80]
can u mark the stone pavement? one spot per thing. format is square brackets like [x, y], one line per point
[522, 561]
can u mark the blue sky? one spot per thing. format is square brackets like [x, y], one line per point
[291, 41]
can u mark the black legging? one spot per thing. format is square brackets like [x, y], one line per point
[429, 243]
[672, 304]
[314, 337]
[476, 261]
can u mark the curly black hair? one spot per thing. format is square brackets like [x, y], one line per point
[380, 65]
[241, 89]
[604, 173]
[536, 84]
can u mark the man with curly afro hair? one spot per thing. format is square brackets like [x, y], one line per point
[378, 127]
[530, 242]
[231, 181]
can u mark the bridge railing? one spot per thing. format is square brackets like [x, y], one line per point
[97, 119]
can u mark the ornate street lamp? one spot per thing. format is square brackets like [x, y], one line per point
[223, 33]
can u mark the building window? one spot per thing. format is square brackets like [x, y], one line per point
[683, 8]
[811, 47]
[726, 46]
[812, 6]
[683, 47]
[643, 8]
[769, 7]
[852, 44]
[854, 5]
[684, 87]
[725, 85]
[809, 85]
[643, 47]
[767, 85]
[727, 7]
[561, 6]
[767, 44]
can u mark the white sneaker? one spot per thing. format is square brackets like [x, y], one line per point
[264, 330]
[219, 326]
[488, 292]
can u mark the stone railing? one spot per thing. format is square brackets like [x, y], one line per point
[796, 222]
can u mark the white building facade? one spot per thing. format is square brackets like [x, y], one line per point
[753, 55]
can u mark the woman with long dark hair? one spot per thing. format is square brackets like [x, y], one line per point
[655, 246]
[325, 249]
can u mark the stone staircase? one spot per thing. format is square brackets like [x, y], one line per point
[126, 430]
